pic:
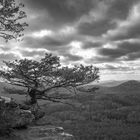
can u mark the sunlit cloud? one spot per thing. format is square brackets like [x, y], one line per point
[77, 50]
[67, 30]
[110, 46]
[42, 33]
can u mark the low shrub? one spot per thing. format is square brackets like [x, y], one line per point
[5, 128]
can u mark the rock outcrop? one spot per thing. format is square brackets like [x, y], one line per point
[13, 115]
[44, 133]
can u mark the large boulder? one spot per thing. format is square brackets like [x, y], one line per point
[13, 115]
[21, 118]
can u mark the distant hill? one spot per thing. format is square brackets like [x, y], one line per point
[111, 83]
[128, 86]
[121, 87]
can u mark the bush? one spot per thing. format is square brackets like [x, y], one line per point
[5, 128]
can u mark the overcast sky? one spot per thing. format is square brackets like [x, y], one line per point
[105, 33]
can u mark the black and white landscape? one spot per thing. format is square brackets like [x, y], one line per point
[69, 69]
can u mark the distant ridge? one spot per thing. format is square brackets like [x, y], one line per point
[131, 85]
[110, 83]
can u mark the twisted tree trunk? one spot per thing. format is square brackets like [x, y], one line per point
[32, 94]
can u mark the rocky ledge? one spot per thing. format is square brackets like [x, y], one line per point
[44, 133]
[11, 115]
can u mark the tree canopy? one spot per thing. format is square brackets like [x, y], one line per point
[40, 77]
[10, 19]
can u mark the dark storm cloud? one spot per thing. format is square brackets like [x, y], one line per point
[49, 43]
[61, 11]
[109, 67]
[71, 57]
[55, 13]
[130, 50]
[95, 28]
[100, 59]
[129, 47]
[133, 56]
[89, 45]
[117, 10]
[120, 8]
[112, 53]
[128, 32]
[130, 25]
